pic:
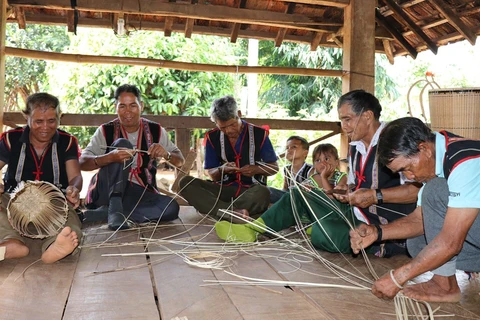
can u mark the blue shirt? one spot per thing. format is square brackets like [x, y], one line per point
[267, 152]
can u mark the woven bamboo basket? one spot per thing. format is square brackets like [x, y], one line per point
[37, 209]
[456, 110]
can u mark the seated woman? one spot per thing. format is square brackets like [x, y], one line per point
[306, 203]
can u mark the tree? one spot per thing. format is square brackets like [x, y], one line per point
[310, 96]
[90, 88]
[27, 76]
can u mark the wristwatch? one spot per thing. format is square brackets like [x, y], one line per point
[379, 196]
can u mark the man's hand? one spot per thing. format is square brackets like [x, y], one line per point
[73, 196]
[385, 288]
[362, 237]
[121, 154]
[362, 198]
[229, 168]
[249, 170]
[157, 151]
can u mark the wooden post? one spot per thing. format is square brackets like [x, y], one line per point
[3, 31]
[182, 140]
[358, 51]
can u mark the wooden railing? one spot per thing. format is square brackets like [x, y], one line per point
[182, 125]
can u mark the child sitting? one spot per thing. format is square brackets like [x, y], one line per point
[297, 171]
[329, 229]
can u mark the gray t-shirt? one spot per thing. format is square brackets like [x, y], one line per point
[98, 145]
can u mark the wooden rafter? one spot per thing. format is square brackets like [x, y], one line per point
[388, 51]
[20, 14]
[189, 28]
[317, 39]
[454, 20]
[236, 26]
[396, 34]
[327, 3]
[71, 21]
[177, 27]
[404, 5]
[167, 29]
[412, 25]
[199, 11]
[157, 63]
[283, 31]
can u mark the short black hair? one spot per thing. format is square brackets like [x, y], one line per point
[401, 137]
[361, 101]
[303, 141]
[129, 88]
[325, 148]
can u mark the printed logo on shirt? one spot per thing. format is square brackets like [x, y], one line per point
[454, 194]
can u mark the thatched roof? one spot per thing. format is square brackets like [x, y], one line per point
[403, 26]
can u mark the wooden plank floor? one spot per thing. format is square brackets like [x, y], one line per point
[158, 283]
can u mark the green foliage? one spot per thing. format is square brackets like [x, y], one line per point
[311, 96]
[90, 88]
[301, 95]
[27, 76]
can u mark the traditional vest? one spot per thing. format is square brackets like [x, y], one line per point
[458, 150]
[24, 164]
[301, 175]
[149, 132]
[373, 176]
[251, 144]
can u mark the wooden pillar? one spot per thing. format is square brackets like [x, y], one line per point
[358, 51]
[3, 30]
[182, 140]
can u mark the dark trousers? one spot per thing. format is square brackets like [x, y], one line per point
[434, 208]
[203, 195]
[113, 179]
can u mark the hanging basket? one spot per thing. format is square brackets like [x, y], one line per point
[456, 110]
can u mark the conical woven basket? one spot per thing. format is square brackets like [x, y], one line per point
[37, 209]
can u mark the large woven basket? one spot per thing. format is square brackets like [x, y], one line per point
[456, 110]
[37, 209]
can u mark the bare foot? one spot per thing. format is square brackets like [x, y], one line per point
[437, 289]
[65, 243]
[15, 249]
[243, 213]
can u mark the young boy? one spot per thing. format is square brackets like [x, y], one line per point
[298, 170]
[329, 231]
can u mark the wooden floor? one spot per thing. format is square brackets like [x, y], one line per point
[165, 286]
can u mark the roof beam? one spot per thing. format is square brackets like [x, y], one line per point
[396, 34]
[199, 11]
[317, 39]
[189, 28]
[177, 65]
[167, 28]
[388, 50]
[327, 3]
[71, 21]
[283, 31]
[20, 14]
[404, 5]
[106, 22]
[454, 20]
[236, 26]
[412, 25]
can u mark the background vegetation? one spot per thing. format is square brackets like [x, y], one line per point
[89, 88]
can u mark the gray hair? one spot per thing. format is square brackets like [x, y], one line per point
[42, 100]
[224, 109]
